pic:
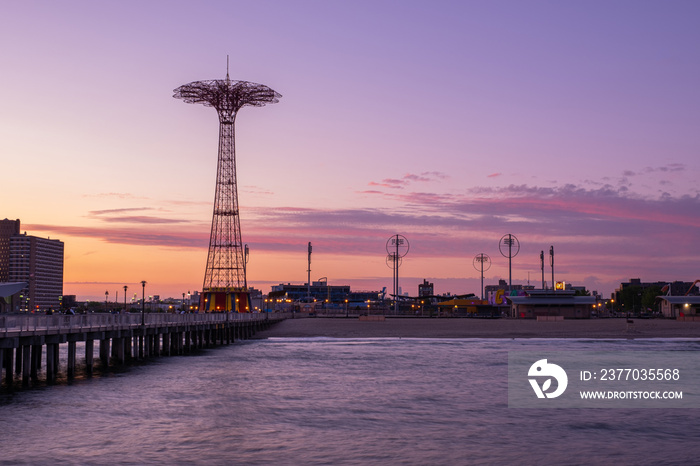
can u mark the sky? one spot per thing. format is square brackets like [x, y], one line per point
[452, 123]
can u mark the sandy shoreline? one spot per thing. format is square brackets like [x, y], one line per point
[481, 328]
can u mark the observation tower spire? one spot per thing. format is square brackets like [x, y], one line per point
[225, 284]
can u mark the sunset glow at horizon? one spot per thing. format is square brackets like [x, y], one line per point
[573, 125]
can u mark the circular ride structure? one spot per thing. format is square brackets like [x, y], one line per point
[397, 247]
[482, 262]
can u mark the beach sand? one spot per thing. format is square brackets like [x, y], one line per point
[480, 328]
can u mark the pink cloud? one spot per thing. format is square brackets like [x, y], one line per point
[115, 216]
[144, 220]
[132, 236]
[409, 178]
[389, 183]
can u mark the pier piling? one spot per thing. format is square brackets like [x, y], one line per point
[89, 356]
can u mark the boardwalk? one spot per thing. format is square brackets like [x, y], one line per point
[121, 338]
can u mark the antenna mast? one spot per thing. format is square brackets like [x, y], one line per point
[308, 285]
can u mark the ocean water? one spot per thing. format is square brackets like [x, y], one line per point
[313, 401]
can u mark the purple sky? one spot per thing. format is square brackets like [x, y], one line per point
[572, 124]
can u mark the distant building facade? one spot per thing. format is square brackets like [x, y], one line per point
[322, 292]
[676, 288]
[8, 229]
[256, 299]
[69, 301]
[36, 261]
[664, 289]
[496, 294]
[503, 285]
[425, 289]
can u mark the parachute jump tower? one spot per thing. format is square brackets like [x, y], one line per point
[225, 286]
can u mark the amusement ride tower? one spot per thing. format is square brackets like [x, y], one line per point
[225, 286]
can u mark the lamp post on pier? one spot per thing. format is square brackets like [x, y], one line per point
[125, 288]
[143, 303]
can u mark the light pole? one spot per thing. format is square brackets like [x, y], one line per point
[143, 303]
[125, 288]
[551, 262]
[397, 247]
[482, 259]
[308, 285]
[513, 248]
[542, 266]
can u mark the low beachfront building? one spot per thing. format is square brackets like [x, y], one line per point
[680, 307]
[470, 307]
[543, 304]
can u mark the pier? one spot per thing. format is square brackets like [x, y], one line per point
[121, 339]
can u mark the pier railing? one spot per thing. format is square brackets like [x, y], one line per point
[13, 323]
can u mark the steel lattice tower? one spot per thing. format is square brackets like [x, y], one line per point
[225, 274]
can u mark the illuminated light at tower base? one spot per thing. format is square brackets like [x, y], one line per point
[225, 300]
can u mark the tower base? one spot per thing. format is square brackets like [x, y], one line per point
[225, 300]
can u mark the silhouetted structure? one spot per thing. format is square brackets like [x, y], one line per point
[36, 264]
[225, 285]
[426, 288]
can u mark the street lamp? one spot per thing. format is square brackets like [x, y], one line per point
[143, 303]
[125, 288]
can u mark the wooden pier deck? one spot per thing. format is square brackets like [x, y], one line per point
[122, 338]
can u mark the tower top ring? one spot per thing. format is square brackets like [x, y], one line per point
[226, 96]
